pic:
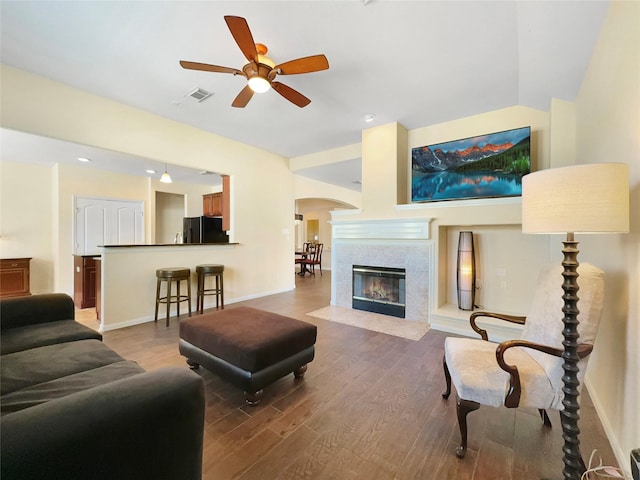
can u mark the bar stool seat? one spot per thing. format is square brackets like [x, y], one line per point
[172, 274]
[202, 272]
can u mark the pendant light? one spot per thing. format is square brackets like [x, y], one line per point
[165, 178]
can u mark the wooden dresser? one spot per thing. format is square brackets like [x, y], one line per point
[14, 277]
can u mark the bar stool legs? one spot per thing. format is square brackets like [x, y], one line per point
[170, 275]
[202, 272]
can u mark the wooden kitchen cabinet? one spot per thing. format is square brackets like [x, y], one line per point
[84, 281]
[219, 204]
[14, 277]
[212, 204]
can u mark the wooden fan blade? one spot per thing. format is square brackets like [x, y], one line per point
[243, 97]
[313, 63]
[290, 94]
[242, 35]
[209, 68]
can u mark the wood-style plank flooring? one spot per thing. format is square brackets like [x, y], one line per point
[369, 407]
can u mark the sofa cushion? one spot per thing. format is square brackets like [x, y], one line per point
[38, 365]
[60, 387]
[41, 334]
[42, 308]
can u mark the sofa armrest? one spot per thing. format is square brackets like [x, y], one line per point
[48, 307]
[146, 426]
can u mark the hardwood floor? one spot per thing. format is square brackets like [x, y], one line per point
[369, 407]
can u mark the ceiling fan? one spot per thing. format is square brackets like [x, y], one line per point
[261, 72]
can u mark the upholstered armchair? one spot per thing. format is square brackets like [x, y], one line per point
[525, 372]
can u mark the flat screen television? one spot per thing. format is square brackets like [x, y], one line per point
[489, 165]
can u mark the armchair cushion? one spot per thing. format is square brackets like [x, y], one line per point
[477, 376]
[544, 321]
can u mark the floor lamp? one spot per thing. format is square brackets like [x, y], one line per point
[578, 199]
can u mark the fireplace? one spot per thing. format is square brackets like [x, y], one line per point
[379, 290]
[398, 242]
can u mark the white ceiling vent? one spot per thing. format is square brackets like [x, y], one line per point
[198, 94]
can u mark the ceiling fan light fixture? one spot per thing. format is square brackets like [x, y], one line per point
[259, 84]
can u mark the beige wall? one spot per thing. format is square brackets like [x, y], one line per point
[36, 105]
[608, 130]
[170, 210]
[26, 221]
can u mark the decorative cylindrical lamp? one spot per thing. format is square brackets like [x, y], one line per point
[466, 271]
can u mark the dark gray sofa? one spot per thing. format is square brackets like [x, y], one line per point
[72, 408]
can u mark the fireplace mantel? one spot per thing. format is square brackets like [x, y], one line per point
[390, 229]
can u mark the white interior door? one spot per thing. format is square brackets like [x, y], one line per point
[102, 221]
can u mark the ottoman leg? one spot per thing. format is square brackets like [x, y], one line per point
[253, 398]
[299, 372]
[193, 365]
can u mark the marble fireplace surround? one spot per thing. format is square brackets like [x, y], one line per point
[396, 243]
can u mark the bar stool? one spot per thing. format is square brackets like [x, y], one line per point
[174, 274]
[202, 272]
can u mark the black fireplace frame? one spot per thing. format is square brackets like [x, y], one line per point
[376, 306]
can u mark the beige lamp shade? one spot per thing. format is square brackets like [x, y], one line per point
[590, 198]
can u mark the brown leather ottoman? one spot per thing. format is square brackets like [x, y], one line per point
[250, 348]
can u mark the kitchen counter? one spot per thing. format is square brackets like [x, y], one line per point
[128, 277]
[171, 245]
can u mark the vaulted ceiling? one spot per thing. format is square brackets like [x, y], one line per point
[415, 62]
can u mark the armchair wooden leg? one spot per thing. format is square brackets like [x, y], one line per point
[447, 377]
[463, 407]
[544, 417]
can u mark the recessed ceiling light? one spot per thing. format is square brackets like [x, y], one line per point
[150, 171]
[84, 159]
[368, 117]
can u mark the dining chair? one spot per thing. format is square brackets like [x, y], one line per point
[301, 256]
[314, 258]
[526, 372]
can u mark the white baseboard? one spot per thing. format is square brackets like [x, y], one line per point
[150, 318]
[621, 456]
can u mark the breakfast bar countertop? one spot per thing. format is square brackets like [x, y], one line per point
[170, 245]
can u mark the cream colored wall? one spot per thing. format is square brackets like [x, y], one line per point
[170, 210]
[25, 219]
[380, 147]
[308, 188]
[334, 155]
[36, 105]
[608, 130]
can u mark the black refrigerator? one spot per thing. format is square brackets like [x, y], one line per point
[203, 230]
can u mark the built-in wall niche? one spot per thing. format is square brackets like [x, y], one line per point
[507, 266]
